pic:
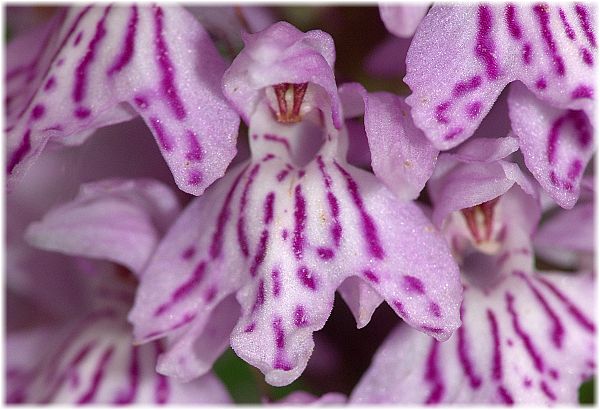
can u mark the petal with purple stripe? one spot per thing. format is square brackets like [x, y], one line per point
[95, 59]
[462, 57]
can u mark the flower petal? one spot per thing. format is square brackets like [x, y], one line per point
[557, 146]
[117, 220]
[401, 156]
[531, 340]
[94, 59]
[402, 21]
[461, 58]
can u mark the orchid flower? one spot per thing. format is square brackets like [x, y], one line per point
[88, 357]
[526, 336]
[284, 230]
[462, 57]
[107, 64]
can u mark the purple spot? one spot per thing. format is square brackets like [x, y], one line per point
[141, 101]
[81, 71]
[526, 53]
[275, 275]
[554, 179]
[464, 87]
[281, 364]
[413, 284]
[167, 81]
[300, 319]
[399, 307]
[485, 48]
[371, 276]
[497, 356]
[301, 173]
[431, 329]
[282, 174]
[582, 91]
[183, 290]
[368, 226]
[78, 38]
[541, 84]
[279, 140]
[505, 395]
[268, 208]
[194, 151]
[161, 389]
[82, 112]
[584, 21]
[163, 139]
[587, 57]
[306, 278]
[452, 133]
[435, 309]
[128, 45]
[325, 253]
[50, 84]
[547, 391]
[268, 157]
[20, 152]
[187, 318]
[38, 112]
[336, 228]
[533, 353]
[299, 222]
[473, 109]
[553, 373]
[432, 376]
[541, 11]
[261, 251]
[574, 169]
[440, 112]
[210, 294]
[527, 382]
[260, 296]
[465, 360]
[60, 62]
[568, 29]
[241, 223]
[194, 177]
[284, 234]
[279, 335]
[250, 328]
[188, 253]
[514, 28]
